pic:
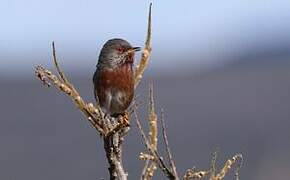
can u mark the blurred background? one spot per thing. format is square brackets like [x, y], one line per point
[221, 71]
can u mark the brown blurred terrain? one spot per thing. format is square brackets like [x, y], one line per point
[238, 108]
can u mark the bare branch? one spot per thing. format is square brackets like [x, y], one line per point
[213, 164]
[228, 165]
[148, 39]
[92, 113]
[153, 132]
[145, 140]
[145, 168]
[139, 70]
[59, 71]
[193, 174]
[153, 152]
[165, 139]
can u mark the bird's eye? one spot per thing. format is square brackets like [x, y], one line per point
[120, 49]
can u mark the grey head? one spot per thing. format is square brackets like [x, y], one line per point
[116, 52]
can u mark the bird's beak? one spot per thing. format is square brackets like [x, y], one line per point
[136, 48]
[133, 49]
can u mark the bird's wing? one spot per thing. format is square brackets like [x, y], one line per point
[95, 78]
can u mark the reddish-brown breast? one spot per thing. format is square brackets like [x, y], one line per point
[114, 88]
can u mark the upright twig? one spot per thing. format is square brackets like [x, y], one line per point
[152, 119]
[228, 165]
[59, 71]
[153, 132]
[139, 70]
[153, 155]
[165, 139]
[213, 164]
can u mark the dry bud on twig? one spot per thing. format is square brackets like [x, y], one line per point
[193, 174]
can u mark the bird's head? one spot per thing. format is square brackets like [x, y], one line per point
[117, 52]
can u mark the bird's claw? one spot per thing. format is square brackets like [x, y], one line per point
[123, 122]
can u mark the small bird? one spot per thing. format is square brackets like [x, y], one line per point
[114, 77]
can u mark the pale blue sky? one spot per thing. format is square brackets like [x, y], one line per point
[191, 33]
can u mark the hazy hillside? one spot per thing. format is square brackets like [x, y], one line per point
[43, 136]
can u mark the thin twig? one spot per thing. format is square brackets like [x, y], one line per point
[237, 173]
[228, 165]
[145, 140]
[213, 164]
[165, 139]
[145, 168]
[153, 132]
[148, 39]
[154, 153]
[139, 70]
[60, 72]
[152, 119]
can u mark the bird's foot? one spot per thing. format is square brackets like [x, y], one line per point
[124, 119]
[122, 123]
